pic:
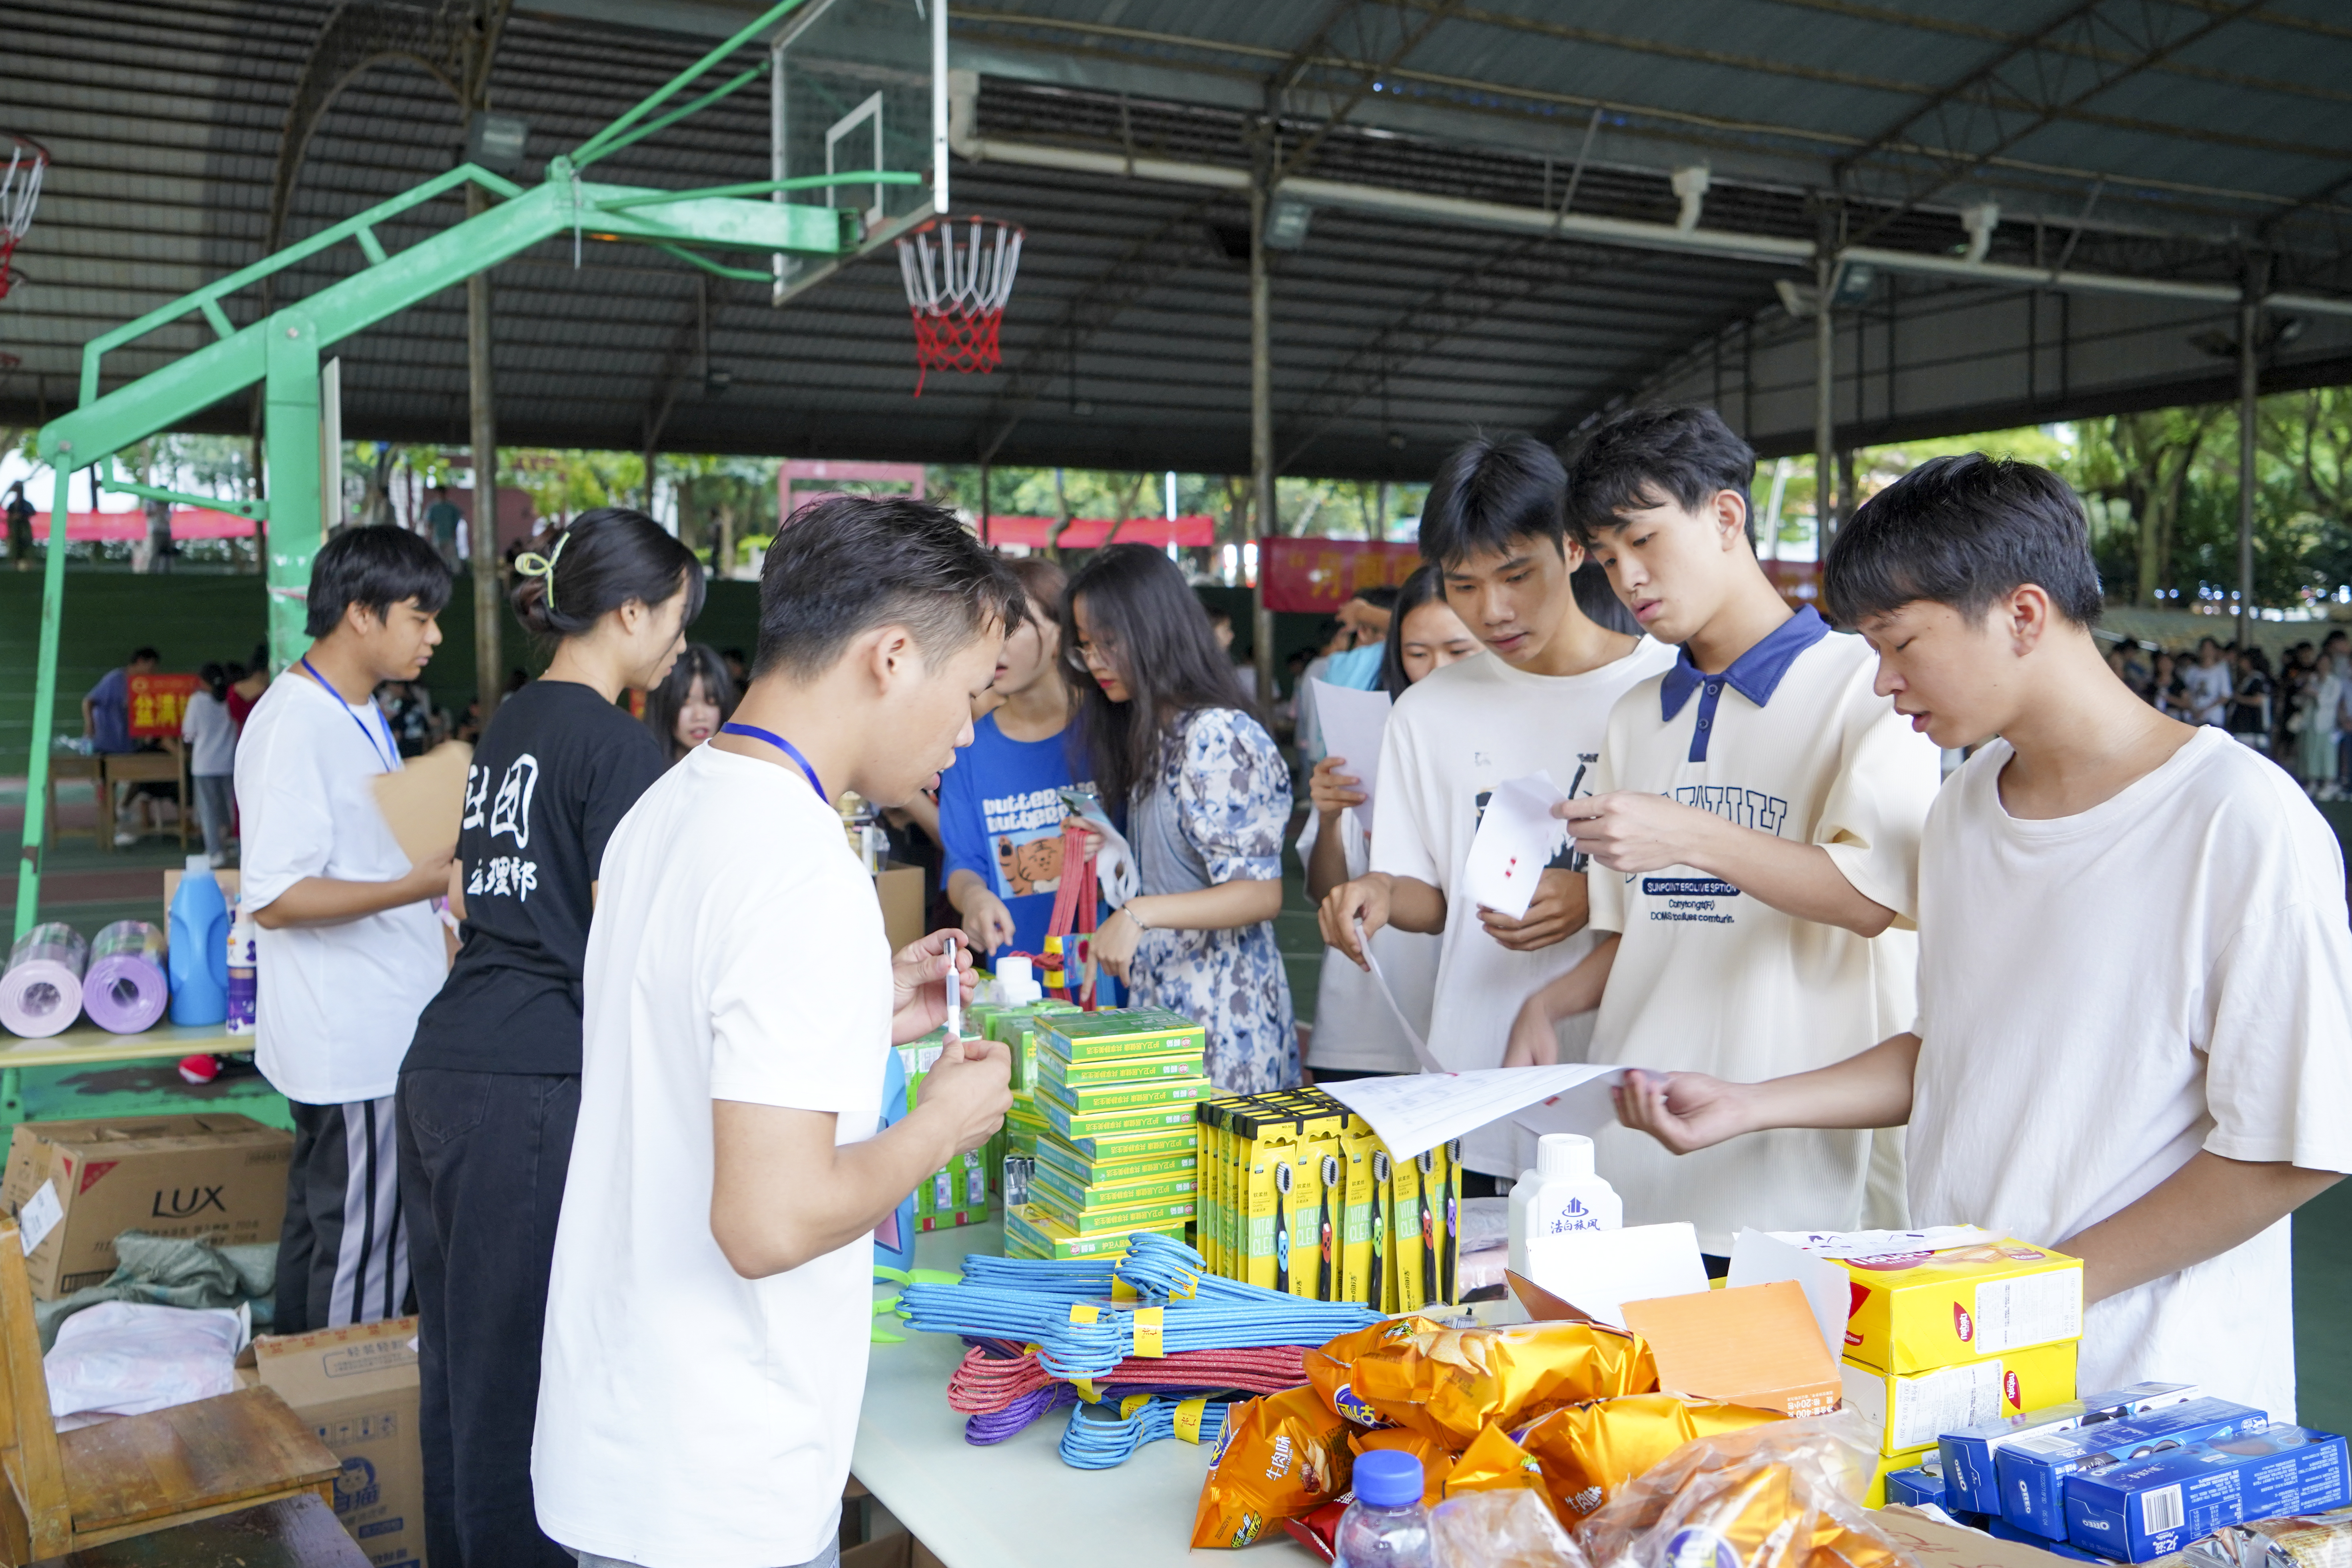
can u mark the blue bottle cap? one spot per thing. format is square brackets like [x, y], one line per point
[1387, 1479]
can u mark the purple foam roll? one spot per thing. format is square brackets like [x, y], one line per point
[40, 994]
[124, 989]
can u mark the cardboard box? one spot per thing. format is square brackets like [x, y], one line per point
[1880, 1489]
[899, 889]
[1915, 1409]
[1757, 1345]
[216, 1176]
[1132, 1070]
[1968, 1453]
[2168, 1500]
[1940, 1543]
[1916, 1483]
[1031, 1233]
[1912, 1311]
[357, 1388]
[2034, 1470]
[1115, 1033]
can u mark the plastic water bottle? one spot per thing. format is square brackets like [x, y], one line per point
[198, 959]
[1386, 1526]
[243, 973]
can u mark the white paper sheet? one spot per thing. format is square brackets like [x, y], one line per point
[1884, 1243]
[1516, 840]
[1353, 723]
[1758, 1257]
[1598, 1271]
[1421, 1111]
[1421, 1052]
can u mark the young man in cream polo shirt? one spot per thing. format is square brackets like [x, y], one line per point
[1755, 837]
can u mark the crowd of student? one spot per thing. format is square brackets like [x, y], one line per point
[2299, 716]
[626, 1142]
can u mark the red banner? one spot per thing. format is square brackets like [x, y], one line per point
[187, 522]
[1319, 575]
[1092, 533]
[1800, 583]
[157, 703]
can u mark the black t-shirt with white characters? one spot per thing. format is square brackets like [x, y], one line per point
[557, 770]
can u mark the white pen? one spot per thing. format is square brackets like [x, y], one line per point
[955, 995]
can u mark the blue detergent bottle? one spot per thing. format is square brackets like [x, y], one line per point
[198, 957]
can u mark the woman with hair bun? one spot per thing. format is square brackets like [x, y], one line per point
[489, 1091]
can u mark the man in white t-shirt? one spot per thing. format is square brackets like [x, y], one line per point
[1755, 833]
[2134, 1030]
[349, 948]
[711, 1297]
[1494, 524]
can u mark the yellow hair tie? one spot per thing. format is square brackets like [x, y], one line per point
[535, 565]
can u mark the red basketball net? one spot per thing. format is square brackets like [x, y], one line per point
[20, 192]
[959, 273]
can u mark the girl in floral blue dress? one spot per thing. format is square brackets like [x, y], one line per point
[1207, 796]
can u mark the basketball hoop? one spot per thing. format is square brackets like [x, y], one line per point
[20, 192]
[956, 290]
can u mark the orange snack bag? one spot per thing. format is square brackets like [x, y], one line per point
[1493, 1463]
[1587, 1451]
[1436, 1462]
[1330, 1370]
[1281, 1456]
[1452, 1383]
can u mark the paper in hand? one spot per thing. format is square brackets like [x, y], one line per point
[423, 802]
[1353, 724]
[1516, 840]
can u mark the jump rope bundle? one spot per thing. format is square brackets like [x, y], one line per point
[1177, 1307]
[1002, 1390]
[1101, 1436]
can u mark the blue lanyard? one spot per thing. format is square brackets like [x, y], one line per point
[389, 752]
[756, 733]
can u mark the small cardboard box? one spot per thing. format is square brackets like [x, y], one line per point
[2035, 1471]
[1115, 1033]
[1912, 1311]
[358, 1388]
[216, 1176]
[2168, 1500]
[1940, 1544]
[900, 890]
[1967, 1452]
[1914, 1410]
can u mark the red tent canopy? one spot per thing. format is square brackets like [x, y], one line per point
[187, 522]
[1092, 533]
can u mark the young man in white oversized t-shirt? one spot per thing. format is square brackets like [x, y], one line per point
[710, 1302]
[1494, 524]
[2135, 1031]
[1754, 833]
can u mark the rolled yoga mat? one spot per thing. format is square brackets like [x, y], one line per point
[40, 994]
[124, 989]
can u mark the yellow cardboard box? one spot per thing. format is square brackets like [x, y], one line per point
[1914, 1409]
[1911, 1311]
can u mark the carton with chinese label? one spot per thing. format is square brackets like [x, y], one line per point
[1914, 1410]
[357, 1387]
[75, 1185]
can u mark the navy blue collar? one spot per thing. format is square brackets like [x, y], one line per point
[1754, 673]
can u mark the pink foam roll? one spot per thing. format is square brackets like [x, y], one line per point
[40, 994]
[124, 989]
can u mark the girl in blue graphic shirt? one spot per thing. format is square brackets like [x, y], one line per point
[1000, 804]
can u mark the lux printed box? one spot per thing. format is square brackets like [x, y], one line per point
[2162, 1503]
[1914, 1410]
[1967, 1452]
[2034, 1471]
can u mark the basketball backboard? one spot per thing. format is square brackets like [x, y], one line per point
[858, 84]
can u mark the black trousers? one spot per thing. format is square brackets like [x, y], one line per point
[342, 1255]
[482, 1162]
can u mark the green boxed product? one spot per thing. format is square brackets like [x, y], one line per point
[1111, 1147]
[1084, 1170]
[1089, 1221]
[955, 1195]
[1017, 1028]
[1124, 1032]
[1052, 1068]
[1078, 1195]
[1079, 1127]
[1023, 1126]
[1089, 1098]
[1040, 1235]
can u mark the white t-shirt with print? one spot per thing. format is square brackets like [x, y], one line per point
[336, 1003]
[690, 1417]
[1707, 979]
[2103, 995]
[1355, 1028]
[1451, 740]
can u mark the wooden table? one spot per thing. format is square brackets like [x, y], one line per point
[87, 1045]
[166, 766]
[75, 765]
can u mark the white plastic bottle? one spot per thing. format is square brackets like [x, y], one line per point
[1561, 1194]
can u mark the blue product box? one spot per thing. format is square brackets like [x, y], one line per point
[1967, 1454]
[2034, 1467]
[1920, 1484]
[2137, 1511]
[2000, 1528]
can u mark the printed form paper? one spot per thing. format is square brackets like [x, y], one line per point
[1516, 840]
[1414, 1113]
[1353, 724]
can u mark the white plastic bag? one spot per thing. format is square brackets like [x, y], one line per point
[125, 1358]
